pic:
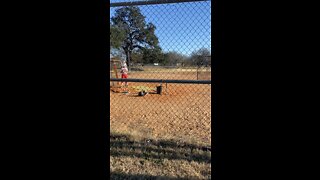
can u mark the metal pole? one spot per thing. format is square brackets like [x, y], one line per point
[197, 73]
[176, 81]
[151, 2]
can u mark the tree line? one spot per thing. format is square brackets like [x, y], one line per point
[133, 37]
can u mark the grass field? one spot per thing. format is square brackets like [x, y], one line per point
[146, 158]
[165, 136]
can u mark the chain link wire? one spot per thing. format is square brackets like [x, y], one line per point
[179, 113]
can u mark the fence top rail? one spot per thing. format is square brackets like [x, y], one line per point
[151, 2]
[176, 81]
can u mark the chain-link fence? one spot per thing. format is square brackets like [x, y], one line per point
[160, 89]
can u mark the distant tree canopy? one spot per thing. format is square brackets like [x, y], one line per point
[153, 55]
[173, 58]
[116, 36]
[201, 57]
[156, 55]
[130, 32]
[136, 57]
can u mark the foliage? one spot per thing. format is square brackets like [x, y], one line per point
[116, 36]
[201, 57]
[138, 34]
[153, 55]
[174, 58]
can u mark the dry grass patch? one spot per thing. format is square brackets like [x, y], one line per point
[135, 157]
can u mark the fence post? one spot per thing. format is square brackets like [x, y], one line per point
[198, 73]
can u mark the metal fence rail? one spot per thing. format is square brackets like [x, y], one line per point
[176, 81]
[152, 2]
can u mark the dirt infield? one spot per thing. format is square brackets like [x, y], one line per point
[189, 74]
[181, 112]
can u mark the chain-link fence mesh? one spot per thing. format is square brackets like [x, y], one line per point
[161, 116]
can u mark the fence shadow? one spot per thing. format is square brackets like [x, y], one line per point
[123, 145]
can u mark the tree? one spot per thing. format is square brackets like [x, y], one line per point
[154, 55]
[116, 36]
[136, 57]
[173, 58]
[137, 33]
[201, 57]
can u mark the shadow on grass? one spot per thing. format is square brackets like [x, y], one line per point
[123, 145]
[118, 176]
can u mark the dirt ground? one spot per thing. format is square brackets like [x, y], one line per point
[182, 112]
[155, 126]
[189, 74]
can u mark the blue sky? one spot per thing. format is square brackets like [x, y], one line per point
[181, 27]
